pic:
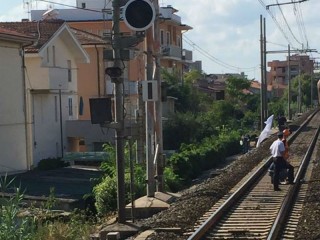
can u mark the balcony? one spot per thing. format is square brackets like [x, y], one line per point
[58, 78]
[51, 79]
[171, 52]
[94, 133]
[85, 129]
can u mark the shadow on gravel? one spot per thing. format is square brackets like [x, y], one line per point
[293, 127]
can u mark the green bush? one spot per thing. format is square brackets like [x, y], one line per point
[51, 163]
[105, 192]
[193, 159]
[106, 195]
[173, 182]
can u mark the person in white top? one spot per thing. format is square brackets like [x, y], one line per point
[277, 150]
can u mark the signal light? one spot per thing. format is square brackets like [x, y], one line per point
[138, 14]
[114, 72]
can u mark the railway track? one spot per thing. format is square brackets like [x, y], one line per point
[252, 210]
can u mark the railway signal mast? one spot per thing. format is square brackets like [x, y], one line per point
[138, 15]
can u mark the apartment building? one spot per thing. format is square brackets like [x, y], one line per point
[96, 17]
[278, 75]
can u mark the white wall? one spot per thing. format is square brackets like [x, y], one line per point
[45, 103]
[13, 156]
[95, 4]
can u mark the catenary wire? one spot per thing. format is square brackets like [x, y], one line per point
[214, 59]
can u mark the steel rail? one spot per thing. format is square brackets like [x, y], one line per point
[219, 213]
[292, 193]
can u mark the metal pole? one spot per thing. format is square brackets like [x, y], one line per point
[289, 85]
[311, 86]
[299, 89]
[265, 70]
[119, 115]
[132, 189]
[150, 120]
[61, 129]
[262, 73]
[158, 105]
[141, 140]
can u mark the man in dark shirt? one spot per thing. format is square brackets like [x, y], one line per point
[281, 122]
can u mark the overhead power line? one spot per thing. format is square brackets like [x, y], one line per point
[283, 24]
[216, 60]
[70, 6]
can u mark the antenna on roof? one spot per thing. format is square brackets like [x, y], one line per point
[50, 14]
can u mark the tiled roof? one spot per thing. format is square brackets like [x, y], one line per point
[8, 32]
[86, 38]
[255, 84]
[42, 31]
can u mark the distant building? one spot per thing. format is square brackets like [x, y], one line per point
[255, 88]
[215, 84]
[278, 75]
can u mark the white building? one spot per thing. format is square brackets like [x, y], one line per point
[51, 85]
[14, 155]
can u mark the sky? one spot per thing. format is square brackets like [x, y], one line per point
[226, 33]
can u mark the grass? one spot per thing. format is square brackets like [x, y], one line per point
[20, 223]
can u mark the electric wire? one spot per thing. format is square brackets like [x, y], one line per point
[66, 5]
[283, 24]
[276, 22]
[286, 23]
[298, 20]
[301, 25]
[214, 59]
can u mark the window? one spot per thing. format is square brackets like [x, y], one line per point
[48, 55]
[83, 5]
[178, 41]
[69, 71]
[70, 106]
[168, 38]
[161, 37]
[54, 55]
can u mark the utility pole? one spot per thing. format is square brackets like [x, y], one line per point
[138, 23]
[289, 74]
[158, 104]
[119, 115]
[299, 88]
[289, 85]
[265, 90]
[262, 87]
[150, 119]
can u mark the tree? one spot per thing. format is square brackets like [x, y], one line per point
[235, 89]
[305, 83]
[192, 76]
[189, 99]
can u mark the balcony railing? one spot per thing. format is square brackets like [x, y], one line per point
[171, 51]
[50, 79]
[58, 78]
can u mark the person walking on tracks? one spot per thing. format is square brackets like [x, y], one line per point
[277, 150]
[289, 167]
[282, 121]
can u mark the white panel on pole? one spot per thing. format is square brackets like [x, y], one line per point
[150, 90]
